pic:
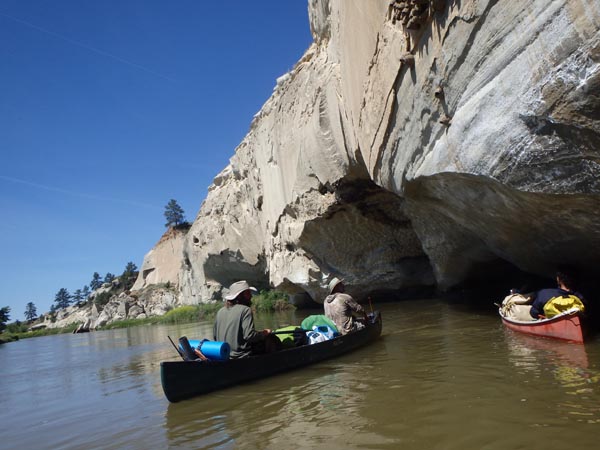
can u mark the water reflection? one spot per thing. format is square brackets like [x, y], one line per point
[279, 411]
[569, 366]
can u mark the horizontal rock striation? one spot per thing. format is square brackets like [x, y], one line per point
[414, 144]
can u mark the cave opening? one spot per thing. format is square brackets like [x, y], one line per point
[488, 283]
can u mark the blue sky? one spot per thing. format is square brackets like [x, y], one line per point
[110, 108]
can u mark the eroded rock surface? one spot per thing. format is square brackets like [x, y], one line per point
[414, 142]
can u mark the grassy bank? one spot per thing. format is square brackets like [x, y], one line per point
[183, 314]
[264, 302]
[10, 337]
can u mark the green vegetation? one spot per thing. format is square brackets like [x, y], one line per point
[125, 283]
[109, 277]
[271, 301]
[77, 296]
[17, 327]
[62, 299]
[4, 316]
[174, 214]
[191, 313]
[183, 314]
[22, 332]
[128, 276]
[96, 281]
[30, 312]
[102, 299]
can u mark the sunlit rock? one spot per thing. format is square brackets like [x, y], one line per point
[162, 264]
[415, 144]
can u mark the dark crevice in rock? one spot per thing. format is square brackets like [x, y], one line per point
[324, 188]
[564, 158]
[228, 267]
[366, 238]
[147, 272]
[573, 136]
[361, 194]
[186, 261]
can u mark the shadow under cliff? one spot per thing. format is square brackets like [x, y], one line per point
[484, 238]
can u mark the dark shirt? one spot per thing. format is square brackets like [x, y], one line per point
[542, 297]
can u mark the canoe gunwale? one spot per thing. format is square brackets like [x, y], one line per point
[557, 318]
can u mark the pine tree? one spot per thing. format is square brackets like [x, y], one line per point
[62, 299]
[174, 214]
[4, 317]
[85, 292]
[30, 312]
[96, 282]
[130, 268]
[109, 277]
[129, 275]
[77, 296]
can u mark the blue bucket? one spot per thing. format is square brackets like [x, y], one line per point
[212, 349]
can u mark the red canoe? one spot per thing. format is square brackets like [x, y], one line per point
[565, 326]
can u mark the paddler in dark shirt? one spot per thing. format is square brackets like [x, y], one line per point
[525, 307]
[234, 323]
[565, 282]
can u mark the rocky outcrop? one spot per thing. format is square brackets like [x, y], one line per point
[149, 302]
[415, 144]
[163, 263]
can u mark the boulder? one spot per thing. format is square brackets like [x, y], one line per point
[135, 311]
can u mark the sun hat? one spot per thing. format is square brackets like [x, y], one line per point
[237, 288]
[333, 283]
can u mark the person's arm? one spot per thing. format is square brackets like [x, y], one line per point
[356, 307]
[248, 332]
[537, 307]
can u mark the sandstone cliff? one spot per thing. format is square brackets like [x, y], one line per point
[415, 144]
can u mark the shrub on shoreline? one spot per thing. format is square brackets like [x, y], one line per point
[271, 301]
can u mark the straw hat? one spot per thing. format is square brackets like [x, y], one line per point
[333, 283]
[237, 288]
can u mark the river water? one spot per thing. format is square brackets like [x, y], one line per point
[441, 377]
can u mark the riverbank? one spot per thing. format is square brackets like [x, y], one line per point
[264, 302]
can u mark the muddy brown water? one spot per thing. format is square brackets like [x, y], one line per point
[441, 377]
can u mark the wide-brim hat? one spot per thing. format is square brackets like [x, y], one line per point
[237, 288]
[333, 283]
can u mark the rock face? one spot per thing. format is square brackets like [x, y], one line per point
[415, 144]
[151, 301]
[162, 264]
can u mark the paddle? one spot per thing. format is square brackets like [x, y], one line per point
[178, 351]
